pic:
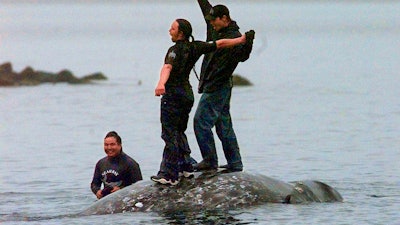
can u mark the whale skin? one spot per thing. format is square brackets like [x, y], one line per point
[209, 191]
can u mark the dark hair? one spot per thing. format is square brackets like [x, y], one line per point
[115, 135]
[186, 28]
[218, 11]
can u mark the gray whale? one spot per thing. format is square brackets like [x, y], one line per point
[209, 191]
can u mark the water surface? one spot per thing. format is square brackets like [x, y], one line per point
[324, 106]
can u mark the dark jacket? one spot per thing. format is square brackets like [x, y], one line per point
[218, 66]
[119, 171]
[182, 56]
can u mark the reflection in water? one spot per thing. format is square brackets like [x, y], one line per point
[172, 217]
[203, 217]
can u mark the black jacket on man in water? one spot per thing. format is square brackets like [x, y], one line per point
[115, 171]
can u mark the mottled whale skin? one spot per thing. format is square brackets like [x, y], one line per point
[212, 191]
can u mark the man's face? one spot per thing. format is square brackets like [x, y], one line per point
[218, 23]
[174, 31]
[111, 147]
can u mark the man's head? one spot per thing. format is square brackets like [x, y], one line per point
[219, 17]
[185, 27]
[112, 144]
[181, 29]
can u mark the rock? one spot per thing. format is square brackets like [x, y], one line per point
[30, 77]
[6, 68]
[7, 76]
[240, 81]
[95, 76]
[65, 76]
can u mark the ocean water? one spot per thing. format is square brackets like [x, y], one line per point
[324, 105]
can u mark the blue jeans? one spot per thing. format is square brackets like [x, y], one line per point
[213, 110]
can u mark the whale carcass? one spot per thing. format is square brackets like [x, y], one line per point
[208, 191]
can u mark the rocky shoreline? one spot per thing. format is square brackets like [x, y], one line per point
[31, 77]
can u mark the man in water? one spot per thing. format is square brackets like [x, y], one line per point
[115, 171]
[216, 88]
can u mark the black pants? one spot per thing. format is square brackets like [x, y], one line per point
[175, 109]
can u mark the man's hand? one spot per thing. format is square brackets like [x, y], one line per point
[115, 188]
[99, 195]
[250, 36]
[160, 90]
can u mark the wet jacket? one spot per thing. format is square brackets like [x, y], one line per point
[182, 56]
[119, 171]
[218, 66]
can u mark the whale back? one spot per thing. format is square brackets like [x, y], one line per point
[209, 192]
[313, 191]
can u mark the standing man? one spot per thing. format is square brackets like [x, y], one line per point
[177, 97]
[115, 171]
[216, 88]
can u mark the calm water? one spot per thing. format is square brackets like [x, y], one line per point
[324, 105]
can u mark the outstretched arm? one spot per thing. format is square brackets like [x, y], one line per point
[164, 75]
[226, 43]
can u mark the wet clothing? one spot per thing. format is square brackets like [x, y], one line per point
[176, 104]
[218, 66]
[119, 171]
[216, 88]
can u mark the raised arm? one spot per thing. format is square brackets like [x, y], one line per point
[205, 6]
